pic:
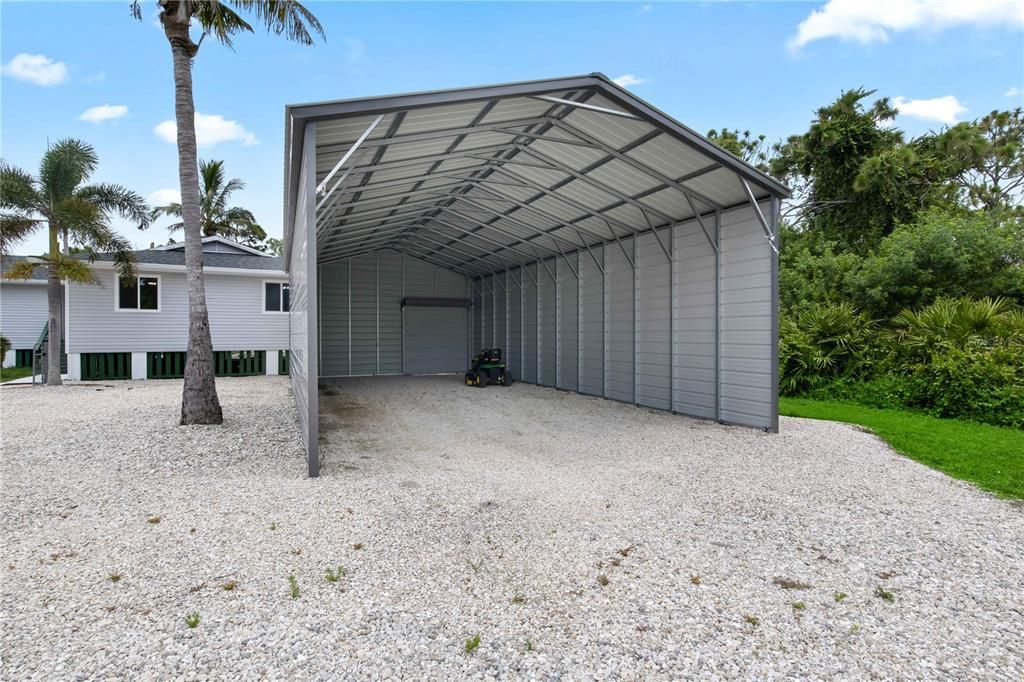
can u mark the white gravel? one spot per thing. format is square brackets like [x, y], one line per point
[459, 512]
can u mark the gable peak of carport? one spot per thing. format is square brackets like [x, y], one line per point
[482, 179]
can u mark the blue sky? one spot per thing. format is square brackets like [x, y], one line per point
[763, 66]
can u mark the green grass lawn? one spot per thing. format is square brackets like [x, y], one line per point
[991, 457]
[11, 373]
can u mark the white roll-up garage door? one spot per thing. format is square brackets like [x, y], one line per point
[434, 339]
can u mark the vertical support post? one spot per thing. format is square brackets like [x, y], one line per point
[718, 316]
[376, 293]
[672, 319]
[307, 194]
[776, 209]
[402, 332]
[348, 272]
[636, 266]
[604, 321]
[540, 328]
[558, 323]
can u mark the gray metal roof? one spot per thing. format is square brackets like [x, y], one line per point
[210, 259]
[480, 179]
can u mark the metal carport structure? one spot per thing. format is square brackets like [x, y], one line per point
[608, 248]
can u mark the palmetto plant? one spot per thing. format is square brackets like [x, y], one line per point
[220, 20]
[218, 219]
[60, 201]
[821, 344]
[953, 323]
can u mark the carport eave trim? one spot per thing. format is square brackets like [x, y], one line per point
[298, 115]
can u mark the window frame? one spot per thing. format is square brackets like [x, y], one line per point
[263, 296]
[138, 295]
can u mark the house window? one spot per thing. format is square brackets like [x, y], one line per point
[138, 293]
[275, 297]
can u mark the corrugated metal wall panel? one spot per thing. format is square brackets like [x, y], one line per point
[389, 320]
[591, 330]
[693, 347]
[476, 318]
[547, 340]
[568, 324]
[487, 309]
[653, 322]
[747, 365]
[500, 338]
[372, 309]
[334, 319]
[364, 314]
[529, 373]
[619, 323]
[514, 352]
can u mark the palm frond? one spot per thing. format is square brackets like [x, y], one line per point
[65, 165]
[284, 17]
[220, 21]
[77, 216]
[23, 269]
[117, 199]
[75, 270]
[14, 229]
[17, 188]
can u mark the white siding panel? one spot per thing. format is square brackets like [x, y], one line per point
[234, 302]
[23, 313]
[693, 344]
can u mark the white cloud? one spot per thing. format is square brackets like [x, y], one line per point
[628, 79]
[36, 68]
[210, 130]
[97, 77]
[868, 21]
[104, 112]
[1013, 92]
[942, 109]
[162, 197]
[646, 8]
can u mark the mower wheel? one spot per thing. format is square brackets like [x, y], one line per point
[505, 379]
[481, 379]
[471, 379]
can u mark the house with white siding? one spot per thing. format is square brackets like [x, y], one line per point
[138, 328]
[23, 312]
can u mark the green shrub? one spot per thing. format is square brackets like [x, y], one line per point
[5, 347]
[823, 343]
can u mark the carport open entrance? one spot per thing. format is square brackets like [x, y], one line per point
[605, 247]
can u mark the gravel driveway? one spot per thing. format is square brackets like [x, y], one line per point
[574, 536]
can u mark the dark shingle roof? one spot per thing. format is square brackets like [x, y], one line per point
[210, 259]
[7, 261]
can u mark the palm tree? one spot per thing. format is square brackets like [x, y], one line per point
[59, 200]
[199, 403]
[218, 218]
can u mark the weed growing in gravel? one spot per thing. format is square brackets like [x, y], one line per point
[615, 561]
[884, 594]
[695, 579]
[602, 580]
[753, 620]
[840, 596]
[336, 575]
[625, 551]
[529, 645]
[790, 584]
[472, 644]
[273, 525]
[293, 584]
[114, 577]
[229, 585]
[799, 605]
[192, 620]
[854, 629]
[153, 520]
[518, 598]
[357, 546]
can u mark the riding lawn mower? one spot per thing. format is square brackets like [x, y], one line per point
[488, 368]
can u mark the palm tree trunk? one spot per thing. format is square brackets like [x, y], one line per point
[199, 403]
[55, 303]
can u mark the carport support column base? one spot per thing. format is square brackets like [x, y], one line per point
[138, 366]
[270, 361]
